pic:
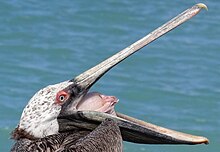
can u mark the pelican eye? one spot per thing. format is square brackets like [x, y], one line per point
[61, 97]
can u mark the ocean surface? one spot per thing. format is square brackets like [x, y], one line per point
[174, 82]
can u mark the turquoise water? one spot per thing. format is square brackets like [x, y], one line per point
[174, 82]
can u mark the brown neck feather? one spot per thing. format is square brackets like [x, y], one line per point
[18, 134]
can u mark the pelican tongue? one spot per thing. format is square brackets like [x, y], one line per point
[95, 101]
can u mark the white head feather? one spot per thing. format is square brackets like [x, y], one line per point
[39, 117]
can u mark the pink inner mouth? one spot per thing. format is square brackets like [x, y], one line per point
[95, 101]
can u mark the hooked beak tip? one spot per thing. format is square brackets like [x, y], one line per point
[203, 6]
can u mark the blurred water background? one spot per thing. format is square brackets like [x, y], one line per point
[174, 82]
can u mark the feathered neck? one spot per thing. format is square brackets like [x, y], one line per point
[18, 134]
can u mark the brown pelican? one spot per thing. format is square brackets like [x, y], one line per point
[66, 117]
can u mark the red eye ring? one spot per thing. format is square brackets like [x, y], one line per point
[61, 97]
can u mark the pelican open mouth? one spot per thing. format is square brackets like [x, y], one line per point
[88, 110]
[95, 101]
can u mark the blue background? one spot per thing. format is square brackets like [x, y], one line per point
[174, 82]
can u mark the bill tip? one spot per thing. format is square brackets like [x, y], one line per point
[206, 142]
[203, 140]
[201, 5]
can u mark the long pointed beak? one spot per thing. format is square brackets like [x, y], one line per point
[132, 129]
[89, 77]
